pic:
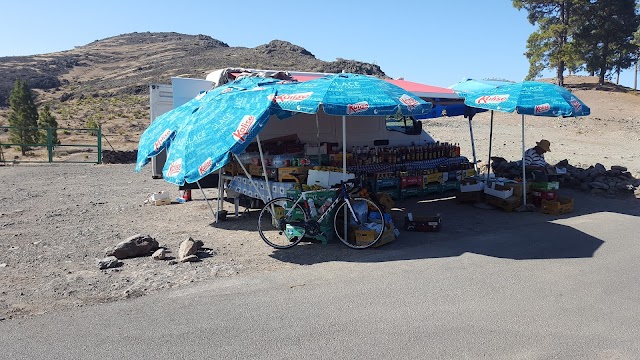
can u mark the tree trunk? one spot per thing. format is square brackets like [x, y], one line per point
[618, 77]
[560, 73]
[635, 77]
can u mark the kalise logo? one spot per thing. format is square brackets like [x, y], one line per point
[576, 104]
[206, 165]
[357, 107]
[542, 108]
[243, 129]
[165, 135]
[410, 102]
[492, 99]
[174, 168]
[290, 97]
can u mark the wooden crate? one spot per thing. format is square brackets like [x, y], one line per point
[509, 204]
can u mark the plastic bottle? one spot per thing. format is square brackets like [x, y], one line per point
[326, 205]
[312, 208]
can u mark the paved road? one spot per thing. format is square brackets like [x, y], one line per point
[530, 288]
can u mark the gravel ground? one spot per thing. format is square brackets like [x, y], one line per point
[56, 220]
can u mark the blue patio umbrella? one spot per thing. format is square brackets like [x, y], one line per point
[162, 130]
[466, 87]
[349, 95]
[213, 133]
[529, 98]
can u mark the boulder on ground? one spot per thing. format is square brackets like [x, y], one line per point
[137, 245]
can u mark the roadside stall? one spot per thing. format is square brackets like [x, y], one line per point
[277, 166]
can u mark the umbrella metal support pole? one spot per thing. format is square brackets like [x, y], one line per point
[264, 168]
[344, 168]
[215, 215]
[490, 140]
[524, 177]
[473, 147]
[318, 140]
[246, 173]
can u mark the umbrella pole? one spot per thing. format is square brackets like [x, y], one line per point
[246, 173]
[344, 169]
[473, 147]
[490, 140]
[524, 177]
[318, 140]
[264, 168]
[215, 215]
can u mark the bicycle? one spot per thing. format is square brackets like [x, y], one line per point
[283, 222]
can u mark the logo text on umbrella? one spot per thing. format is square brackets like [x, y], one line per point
[492, 99]
[241, 133]
[410, 102]
[174, 168]
[357, 107]
[165, 135]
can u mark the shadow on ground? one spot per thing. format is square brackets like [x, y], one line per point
[469, 229]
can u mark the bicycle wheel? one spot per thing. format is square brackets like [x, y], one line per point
[276, 228]
[370, 217]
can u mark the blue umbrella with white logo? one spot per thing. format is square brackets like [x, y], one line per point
[163, 129]
[466, 87]
[213, 132]
[349, 95]
[529, 98]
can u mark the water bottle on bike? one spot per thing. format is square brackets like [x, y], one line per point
[312, 208]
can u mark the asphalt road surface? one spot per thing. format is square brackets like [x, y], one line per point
[527, 286]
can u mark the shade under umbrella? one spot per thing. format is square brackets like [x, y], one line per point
[529, 98]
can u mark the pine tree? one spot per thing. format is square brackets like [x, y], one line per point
[47, 120]
[605, 35]
[550, 46]
[23, 115]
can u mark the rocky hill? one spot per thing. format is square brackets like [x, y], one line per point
[107, 81]
[127, 64]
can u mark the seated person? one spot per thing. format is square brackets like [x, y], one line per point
[535, 164]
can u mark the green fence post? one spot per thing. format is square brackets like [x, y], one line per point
[50, 144]
[99, 143]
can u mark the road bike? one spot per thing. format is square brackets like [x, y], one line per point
[283, 222]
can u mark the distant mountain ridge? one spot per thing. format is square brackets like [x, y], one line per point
[126, 64]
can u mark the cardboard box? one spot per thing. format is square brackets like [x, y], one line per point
[386, 200]
[502, 194]
[433, 178]
[284, 173]
[517, 188]
[256, 170]
[363, 237]
[315, 150]
[468, 186]
[560, 206]
[326, 179]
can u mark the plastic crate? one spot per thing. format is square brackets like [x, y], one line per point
[551, 185]
[560, 206]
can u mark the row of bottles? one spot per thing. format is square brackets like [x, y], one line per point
[365, 155]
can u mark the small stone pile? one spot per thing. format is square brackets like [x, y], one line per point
[119, 157]
[595, 179]
[139, 245]
[600, 181]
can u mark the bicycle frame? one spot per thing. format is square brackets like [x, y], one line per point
[344, 196]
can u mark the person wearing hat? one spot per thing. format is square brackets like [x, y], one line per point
[534, 161]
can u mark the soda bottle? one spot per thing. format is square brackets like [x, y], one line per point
[326, 205]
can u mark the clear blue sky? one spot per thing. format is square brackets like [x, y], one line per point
[432, 42]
